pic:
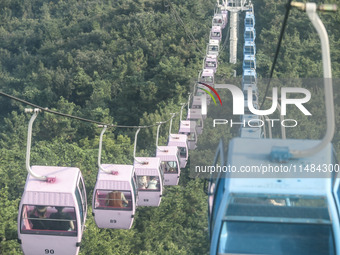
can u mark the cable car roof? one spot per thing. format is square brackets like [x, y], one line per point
[178, 138]
[195, 114]
[66, 179]
[123, 172]
[167, 153]
[152, 163]
[246, 152]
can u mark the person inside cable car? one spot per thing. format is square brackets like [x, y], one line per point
[182, 151]
[152, 184]
[39, 213]
[142, 182]
[63, 221]
[116, 199]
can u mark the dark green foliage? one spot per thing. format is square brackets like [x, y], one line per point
[128, 62]
[125, 62]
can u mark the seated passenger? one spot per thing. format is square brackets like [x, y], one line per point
[164, 166]
[153, 183]
[39, 213]
[142, 182]
[116, 199]
[63, 221]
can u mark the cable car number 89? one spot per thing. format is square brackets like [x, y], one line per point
[47, 251]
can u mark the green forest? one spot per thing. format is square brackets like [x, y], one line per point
[130, 62]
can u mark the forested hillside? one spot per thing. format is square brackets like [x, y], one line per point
[128, 62]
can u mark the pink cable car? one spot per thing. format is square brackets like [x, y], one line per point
[114, 196]
[210, 62]
[189, 128]
[53, 208]
[150, 178]
[207, 76]
[196, 115]
[200, 103]
[169, 160]
[181, 141]
[216, 33]
[225, 18]
[169, 156]
[218, 20]
[205, 98]
[213, 47]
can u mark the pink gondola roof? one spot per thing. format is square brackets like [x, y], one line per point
[187, 126]
[167, 153]
[177, 139]
[118, 181]
[151, 168]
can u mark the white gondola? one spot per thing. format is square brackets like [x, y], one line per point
[181, 141]
[213, 47]
[210, 62]
[218, 20]
[207, 76]
[189, 128]
[150, 179]
[114, 196]
[216, 33]
[169, 156]
[53, 208]
[196, 115]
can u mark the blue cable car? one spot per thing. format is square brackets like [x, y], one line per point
[249, 48]
[249, 20]
[283, 214]
[249, 34]
[249, 62]
[249, 77]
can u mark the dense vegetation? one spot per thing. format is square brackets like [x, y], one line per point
[128, 62]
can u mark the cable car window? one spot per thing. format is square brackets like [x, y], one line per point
[303, 208]
[249, 35]
[249, 22]
[169, 167]
[162, 174]
[133, 183]
[248, 64]
[248, 79]
[48, 220]
[199, 93]
[210, 64]
[182, 152]
[249, 50]
[80, 205]
[213, 48]
[191, 136]
[302, 221]
[113, 200]
[83, 193]
[207, 79]
[275, 238]
[148, 183]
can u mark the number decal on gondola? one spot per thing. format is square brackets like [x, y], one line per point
[113, 221]
[47, 251]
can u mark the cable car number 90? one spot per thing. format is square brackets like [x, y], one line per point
[47, 251]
